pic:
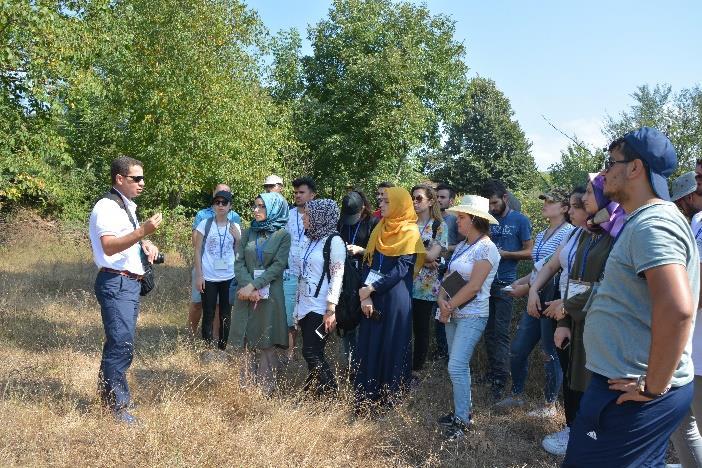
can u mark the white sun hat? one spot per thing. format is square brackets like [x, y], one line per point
[474, 205]
[273, 180]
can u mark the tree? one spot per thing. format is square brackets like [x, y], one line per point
[576, 163]
[679, 115]
[177, 85]
[487, 143]
[383, 78]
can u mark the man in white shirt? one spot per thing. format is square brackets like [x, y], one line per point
[304, 190]
[116, 240]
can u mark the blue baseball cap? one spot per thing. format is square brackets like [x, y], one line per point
[656, 150]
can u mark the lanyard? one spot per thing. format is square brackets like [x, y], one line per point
[308, 252]
[259, 251]
[629, 219]
[697, 235]
[590, 245]
[463, 251]
[222, 237]
[300, 232]
[421, 233]
[353, 238]
[545, 239]
[573, 250]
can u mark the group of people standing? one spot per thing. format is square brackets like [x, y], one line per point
[612, 295]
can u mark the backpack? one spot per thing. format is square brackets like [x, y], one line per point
[348, 310]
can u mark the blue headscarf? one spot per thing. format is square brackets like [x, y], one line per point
[276, 213]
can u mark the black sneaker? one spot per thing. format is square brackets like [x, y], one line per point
[447, 420]
[458, 430]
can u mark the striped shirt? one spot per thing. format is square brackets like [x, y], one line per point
[545, 246]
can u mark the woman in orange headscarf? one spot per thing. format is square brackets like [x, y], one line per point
[395, 252]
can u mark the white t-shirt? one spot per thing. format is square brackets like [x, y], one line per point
[297, 238]
[218, 257]
[569, 247]
[696, 225]
[311, 267]
[109, 219]
[462, 261]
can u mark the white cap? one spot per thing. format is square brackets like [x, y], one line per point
[272, 180]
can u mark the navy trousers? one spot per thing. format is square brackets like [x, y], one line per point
[119, 306]
[633, 434]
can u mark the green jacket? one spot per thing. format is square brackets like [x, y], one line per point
[578, 376]
[266, 326]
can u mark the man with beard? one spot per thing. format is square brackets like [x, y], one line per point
[513, 240]
[637, 335]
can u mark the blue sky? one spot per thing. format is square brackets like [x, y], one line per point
[574, 62]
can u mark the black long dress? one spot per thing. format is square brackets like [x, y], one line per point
[384, 346]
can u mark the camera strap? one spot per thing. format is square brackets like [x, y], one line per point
[116, 197]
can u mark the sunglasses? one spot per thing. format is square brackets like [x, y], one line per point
[136, 179]
[418, 198]
[221, 202]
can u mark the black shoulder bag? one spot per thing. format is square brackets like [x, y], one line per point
[148, 282]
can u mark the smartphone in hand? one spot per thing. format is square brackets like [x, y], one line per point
[565, 343]
[321, 331]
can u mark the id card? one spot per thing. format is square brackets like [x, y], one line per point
[221, 264]
[265, 291]
[373, 276]
[576, 287]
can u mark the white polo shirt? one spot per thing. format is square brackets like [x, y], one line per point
[109, 219]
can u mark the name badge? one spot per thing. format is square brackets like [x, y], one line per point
[373, 276]
[576, 287]
[265, 291]
[221, 264]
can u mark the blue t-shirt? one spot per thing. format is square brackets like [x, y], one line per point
[514, 229]
[207, 213]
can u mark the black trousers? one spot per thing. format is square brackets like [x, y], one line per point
[421, 327]
[320, 378]
[213, 290]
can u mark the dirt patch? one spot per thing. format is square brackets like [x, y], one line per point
[23, 227]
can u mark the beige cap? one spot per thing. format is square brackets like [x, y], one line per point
[474, 205]
[273, 180]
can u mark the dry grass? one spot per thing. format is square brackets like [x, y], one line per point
[194, 413]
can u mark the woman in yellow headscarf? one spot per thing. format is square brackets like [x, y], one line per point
[394, 253]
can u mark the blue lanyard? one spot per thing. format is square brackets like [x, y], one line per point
[300, 232]
[629, 219]
[460, 253]
[353, 239]
[308, 252]
[573, 250]
[590, 245]
[380, 262]
[259, 251]
[545, 239]
[222, 237]
[421, 233]
[697, 235]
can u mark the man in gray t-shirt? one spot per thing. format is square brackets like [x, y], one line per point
[638, 327]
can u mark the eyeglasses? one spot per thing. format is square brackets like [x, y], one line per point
[221, 202]
[136, 179]
[418, 198]
[610, 162]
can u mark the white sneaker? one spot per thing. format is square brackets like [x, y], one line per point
[557, 443]
[546, 411]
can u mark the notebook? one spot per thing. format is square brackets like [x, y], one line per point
[453, 283]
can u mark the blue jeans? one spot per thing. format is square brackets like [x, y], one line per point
[632, 434]
[530, 331]
[290, 291]
[119, 306]
[462, 335]
[497, 334]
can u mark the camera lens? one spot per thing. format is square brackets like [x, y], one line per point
[160, 258]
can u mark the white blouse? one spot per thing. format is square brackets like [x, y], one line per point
[311, 263]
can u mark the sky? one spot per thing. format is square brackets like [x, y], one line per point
[572, 62]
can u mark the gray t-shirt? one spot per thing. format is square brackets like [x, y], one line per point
[453, 236]
[618, 325]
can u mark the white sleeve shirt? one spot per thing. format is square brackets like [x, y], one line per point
[297, 238]
[109, 219]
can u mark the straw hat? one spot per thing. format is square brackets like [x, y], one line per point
[476, 206]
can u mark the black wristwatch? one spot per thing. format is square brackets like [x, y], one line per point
[641, 387]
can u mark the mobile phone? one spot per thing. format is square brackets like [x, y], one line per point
[321, 331]
[566, 343]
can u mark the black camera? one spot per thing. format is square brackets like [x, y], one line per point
[160, 258]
